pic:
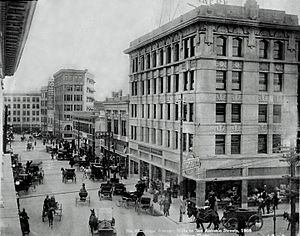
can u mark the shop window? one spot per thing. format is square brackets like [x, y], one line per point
[235, 113]
[235, 144]
[220, 145]
[221, 80]
[220, 112]
[262, 143]
[263, 81]
[263, 49]
[236, 80]
[221, 46]
[277, 82]
[237, 47]
[262, 113]
[276, 143]
[276, 113]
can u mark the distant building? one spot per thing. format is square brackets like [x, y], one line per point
[236, 69]
[44, 98]
[74, 91]
[24, 111]
[50, 107]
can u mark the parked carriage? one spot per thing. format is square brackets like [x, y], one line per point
[23, 182]
[253, 220]
[105, 191]
[35, 169]
[105, 223]
[68, 174]
[144, 203]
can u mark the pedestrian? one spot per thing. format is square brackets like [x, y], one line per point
[275, 200]
[34, 142]
[167, 205]
[18, 200]
[52, 154]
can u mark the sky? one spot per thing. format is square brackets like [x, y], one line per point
[93, 34]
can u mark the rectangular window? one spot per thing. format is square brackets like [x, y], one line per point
[263, 81]
[153, 136]
[109, 125]
[78, 88]
[185, 112]
[154, 86]
[220, 112]
[176, 89]
[191, 142]
[184, 142]
[168, 111]
[77, 97]
[235, 144]
[192, 46]
[116, 127]
[154, 111]
[185, 81]
[161, 84]
[235, 113]
[169, 84]
[276, 143]
[147, 134]
[142, 134]
[176, 140]
[236, 80]
[169, 54]
[186, 48]
[160, 137]
[142, 62]
[148, 86]
[148, 61]
[221, 80]
[262, 113]
[192, 80]
[278, 50]
[277, 81]
[176, 110]
[176, 52]
[276, 113]
[220, 144]
[161, 111]
[161, 57]
[168, 138]
[123, 128]
[191, 112]
[154, 59]
[148, 111]
[143, 111]
[262, 143]
[143, 87]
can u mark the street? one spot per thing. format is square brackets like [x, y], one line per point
[75, 218]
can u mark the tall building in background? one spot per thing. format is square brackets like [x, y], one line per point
[24, 111]
[44, 97]
[233, 73]
[74, 91]
[50, 107]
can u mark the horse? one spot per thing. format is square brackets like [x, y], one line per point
[93, 221]
[288, 218]
[50, 214]
[204, 216]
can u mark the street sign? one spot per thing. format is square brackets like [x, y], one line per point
[192, 166]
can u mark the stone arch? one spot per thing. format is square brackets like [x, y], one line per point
[68, 128]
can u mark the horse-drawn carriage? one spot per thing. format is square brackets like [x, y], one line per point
[127, 199]
[105, 191]
[144, 203]
[37, 172]
[29, 146]
[250, 218]
[119, 188]
[83, 198]
[22, 182]
[51, 209]
[68, 174]
[63, 154]
[102, 222]
[96, 171]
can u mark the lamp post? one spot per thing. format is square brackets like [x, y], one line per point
[78, 138]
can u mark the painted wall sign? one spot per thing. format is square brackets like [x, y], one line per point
[211, 2]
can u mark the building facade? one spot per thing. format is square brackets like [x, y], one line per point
[44, 100]
[230, 74]
[24, 111]
[116, 116]
[50, 107]
[74, 91]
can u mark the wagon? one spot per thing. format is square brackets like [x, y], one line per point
[144, 203]
[253, 220]
[105, 191]
[69, 174]
[106, 222]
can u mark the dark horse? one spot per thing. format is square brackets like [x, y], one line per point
[50, 214]
[291, 219]
[93, 221]
[204, 216]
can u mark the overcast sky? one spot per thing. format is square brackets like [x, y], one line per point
[92, 34]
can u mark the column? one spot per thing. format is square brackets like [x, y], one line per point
[200, 193]
[244, 188]
[129, 165]
[150, 171]
[163, 178]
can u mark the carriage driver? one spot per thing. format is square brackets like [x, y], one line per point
[83, 193]
[46, 203]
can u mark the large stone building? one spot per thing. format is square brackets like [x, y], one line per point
[16, 18]
[44, 100]
[236, 70]
[73, 91]
[24, 111]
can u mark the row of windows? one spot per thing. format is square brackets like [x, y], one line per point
[24, 119]
[71, 107]
[220, 144]
[168, 54]
[116, 127]
[24, 106]
[24, 113]
[71, 88]
[19, 99]
[71, 97]
[236, 113]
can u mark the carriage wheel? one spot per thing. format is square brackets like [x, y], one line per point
[255, 222]
[231, 224]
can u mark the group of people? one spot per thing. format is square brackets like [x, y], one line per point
[266, 200]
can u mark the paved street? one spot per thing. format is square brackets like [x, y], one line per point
[75, 218]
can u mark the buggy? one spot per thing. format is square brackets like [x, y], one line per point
[54, 205]
[37, 172]
[23, 182]
[62, 155]
[119, 188]
[232, 215]
[96, 171]
[83, 198]
[106, 223]
[144, 203]
[68, 174]
[128, 199]
[105, 191]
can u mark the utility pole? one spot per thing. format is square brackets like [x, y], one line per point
[5, 128]
[292, 158]
[94, 139]
[181, 155]
[78, 138]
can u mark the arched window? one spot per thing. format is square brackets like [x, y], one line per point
[237, 47]
[263, 49]
[221, 46]
[68, 127]
[154, 59]
[278, 50]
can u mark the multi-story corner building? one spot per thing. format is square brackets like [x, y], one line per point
[74, 91]
[16, 18]
[50, 107]
[100, 126]
[116, 115]
[24, 111]
[235, 69]
[44, 98]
